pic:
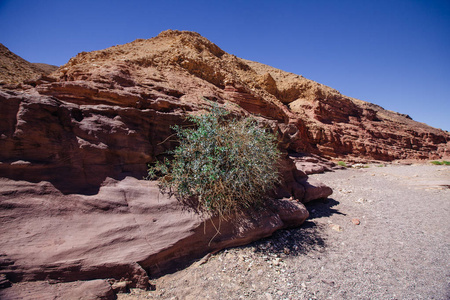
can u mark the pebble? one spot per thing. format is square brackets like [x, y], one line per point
[336, 227]
[276, 262]
[356, 221]
[361, 200]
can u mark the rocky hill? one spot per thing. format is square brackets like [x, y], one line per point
[75, 144]
[74, 148]
[14, 69]
[186, 66]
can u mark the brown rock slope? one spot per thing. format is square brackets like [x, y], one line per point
[14, 69]
[339, 126]
[184, 65]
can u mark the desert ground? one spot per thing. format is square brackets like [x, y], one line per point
[399, 250]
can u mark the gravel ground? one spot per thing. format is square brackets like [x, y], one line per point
[400, 249]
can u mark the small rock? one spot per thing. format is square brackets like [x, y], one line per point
[361, 200]
[276, 261]
[328, 282]
[356, 221]
[120, 287]
[286, 250]
[336, 227]
[204, 260]
[21, 163]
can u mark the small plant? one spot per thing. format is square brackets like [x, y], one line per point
[360, 166]
[224, 165]
[440, 163]
[342, 164]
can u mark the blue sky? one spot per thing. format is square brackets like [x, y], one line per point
[392, 53]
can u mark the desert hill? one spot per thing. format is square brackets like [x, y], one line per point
[144, 87]
[45, 69]
[323, 121]
[14, 69]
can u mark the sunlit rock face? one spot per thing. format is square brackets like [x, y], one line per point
[74, 148]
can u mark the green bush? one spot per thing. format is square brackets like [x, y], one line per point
[224, 164]
[342, 164]
[440, 163]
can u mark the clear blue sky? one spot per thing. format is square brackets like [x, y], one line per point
[392, 53]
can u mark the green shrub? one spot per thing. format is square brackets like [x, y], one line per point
[224, 164]
[342, 164]
[440, 163]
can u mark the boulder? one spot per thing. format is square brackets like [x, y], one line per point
[125, 232]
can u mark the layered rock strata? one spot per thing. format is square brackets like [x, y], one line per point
[185, 65]
[126, 232]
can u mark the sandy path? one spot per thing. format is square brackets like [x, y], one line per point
[401, 249]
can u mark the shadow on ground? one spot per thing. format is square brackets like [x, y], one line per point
[299, 241]
[322, 208]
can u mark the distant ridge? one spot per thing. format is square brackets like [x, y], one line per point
[14, 69]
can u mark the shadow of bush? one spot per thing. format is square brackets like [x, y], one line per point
[299, 241]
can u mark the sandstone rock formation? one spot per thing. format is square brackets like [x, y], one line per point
[126, 232]
[68, 220]
[315, 118]
[74, 146]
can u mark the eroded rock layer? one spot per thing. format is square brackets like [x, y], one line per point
[185, 66]
[126, 232]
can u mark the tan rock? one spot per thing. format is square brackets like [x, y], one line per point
[336, 227]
